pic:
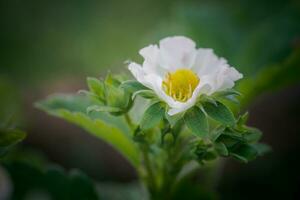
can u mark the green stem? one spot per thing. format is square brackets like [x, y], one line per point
[150, 175]
[129, 121]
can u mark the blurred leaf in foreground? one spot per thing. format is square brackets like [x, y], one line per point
[72, 109]
[10, 111]
[50, 183]
[8, 138]
[9, 102]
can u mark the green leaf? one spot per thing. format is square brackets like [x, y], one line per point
[221, 149]
[219, 112]
[97, 87]
[67, 108]
[98, 108]
[132, 86]
[152, 116]
[196, 121]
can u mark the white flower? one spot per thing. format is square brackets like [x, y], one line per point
[178, 72]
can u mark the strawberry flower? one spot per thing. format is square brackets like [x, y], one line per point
[179, 73]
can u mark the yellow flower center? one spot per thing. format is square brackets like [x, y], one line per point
[180, 84]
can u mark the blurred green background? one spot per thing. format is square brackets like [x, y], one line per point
[51, 46]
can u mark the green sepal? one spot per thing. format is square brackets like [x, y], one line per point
[152, 116]
[228, 95]
[173, 119]
[227, 92]
[132, 86]
[206, 98]
[219, 112]
[147, 94]
[196, 120]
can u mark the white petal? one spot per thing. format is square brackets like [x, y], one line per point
[151, 81]
[150, 68]
[181, 107]
[138, 72]
[177, 52]
[218, 73]
[150, 53]
[151, 60]
[172, 44]
[206, 62]
[234, 74]
[226, 78]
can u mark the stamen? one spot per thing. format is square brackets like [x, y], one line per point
[181, 84]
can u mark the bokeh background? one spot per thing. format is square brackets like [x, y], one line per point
[52, 46]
